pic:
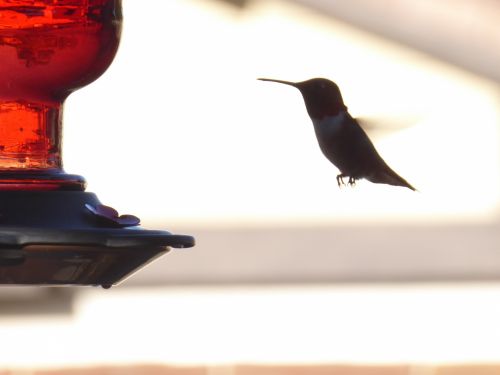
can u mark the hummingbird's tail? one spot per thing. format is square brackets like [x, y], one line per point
[388, 176]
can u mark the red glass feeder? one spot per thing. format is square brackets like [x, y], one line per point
[51, 230]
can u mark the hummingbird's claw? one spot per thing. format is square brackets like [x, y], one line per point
[352, 181]
[340, 180]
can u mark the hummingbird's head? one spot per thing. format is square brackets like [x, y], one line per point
[321, 96]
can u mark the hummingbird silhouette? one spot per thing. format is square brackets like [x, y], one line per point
[340, 137]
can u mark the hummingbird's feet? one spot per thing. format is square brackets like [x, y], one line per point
[340, 180]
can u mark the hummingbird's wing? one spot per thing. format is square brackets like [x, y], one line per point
[377, 126]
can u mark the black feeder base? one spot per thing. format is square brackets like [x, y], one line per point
[69, 238]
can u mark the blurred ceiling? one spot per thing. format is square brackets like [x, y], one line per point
[462, 32]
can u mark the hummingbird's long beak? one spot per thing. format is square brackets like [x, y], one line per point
[279, 81]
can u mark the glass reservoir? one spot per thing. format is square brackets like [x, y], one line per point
[48, 49]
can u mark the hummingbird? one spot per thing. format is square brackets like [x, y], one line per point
[340, 137]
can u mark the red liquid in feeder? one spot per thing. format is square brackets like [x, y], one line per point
[48, 49]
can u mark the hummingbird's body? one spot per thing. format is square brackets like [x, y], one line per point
[340, 137]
